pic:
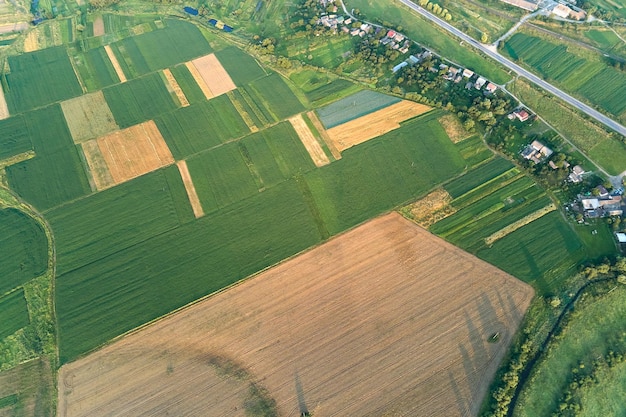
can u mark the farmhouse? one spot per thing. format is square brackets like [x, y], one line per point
[479, 83]
[621, 238]
[521, 114]
[491, 88]
[400, 66]
[468, 73]
[576, 175]
[564, 11]
[602, 207]
[536, 152]
[523, 4]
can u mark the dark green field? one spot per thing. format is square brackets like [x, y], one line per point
[189, 86]
[13, 313]
[24, 249]
[354, 106]
[242, 68]
[112, 220]
[14, 138]
[277, 96]
[192, 129]
[39, 78]
[477, 176]
[95, 69]
[56, 174]
[138, 100]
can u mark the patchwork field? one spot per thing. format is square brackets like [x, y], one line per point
[88, 117]
[308, 140]
[370, 348]
[115, 63]
[374, 124]
[193, 70]
[213, 74]
[173, 86]
[132, 152]
[353, 107]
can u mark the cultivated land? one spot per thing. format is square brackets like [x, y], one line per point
[4, 109]
[88, 117]
[174, 87]
[374, 124]
[213, 74]
[189, 187]
[193, 70]
[133, 151]
[115, 63]
[370, 347]
[308, 140]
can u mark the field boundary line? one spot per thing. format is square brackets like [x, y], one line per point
[78, 78]
[116, 65]
[324, 135]
[507, 230]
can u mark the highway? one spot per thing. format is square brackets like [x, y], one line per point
[607, 121]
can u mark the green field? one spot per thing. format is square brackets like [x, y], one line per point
[595, 327]
[320, 89]
[192, 129]
[276, 95]
[242, 68]
[138, 100]
[24, 249]
[95, 69]
[14, 137]
[474, 150]
[13, 313]
[112, 220]
[56, 174]
[477, 176]
[604, 398]
[187, 83]
[354, 106]
[122, 291]
[587, 76]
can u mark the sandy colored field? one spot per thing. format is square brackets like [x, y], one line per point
[13, 27]
[199, 80]
[385, 319]
[116, 65]
[134, 151]
[98, 26]
[88, 117]
[172, 86]
[242, 112]
[191, 189]
[374, 124]
[4, 109]
[324, 134]
[98, 168]
[213, 74]
[31, 41]
[308, 140]
[454, 128]
[431, 208]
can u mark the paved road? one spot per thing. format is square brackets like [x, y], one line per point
[607, 121]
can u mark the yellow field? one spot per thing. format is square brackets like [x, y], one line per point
[172, 86]
[454, 128]
[4, 109]
[115, 63]
[308, 140]
[190, 188]
[210, 71]
[386, 319]
[374, 124]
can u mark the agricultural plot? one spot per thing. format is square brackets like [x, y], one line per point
[39, 78]
[119, 71]
[276, 95]
[353, 107]
[108, 297]
[374, 124]
[320, 89]
[290, 155]
[13, 313]
[351, 341]
[309, 141]
[589, 77]
[88, 117]
[4, 108]
[55, 175]
[172, 86]
[474, 151]
[96, 69]
[201, 126]
[187, 83]
[194, 200]
[478, 176]
[113, 220]
[213, 75]
[132, 152]
[14, 138]
[24, 249]
[139, 100]
[242, 68]
[28, 387]
[383, 173]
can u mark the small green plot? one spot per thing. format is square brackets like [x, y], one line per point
[13, 313]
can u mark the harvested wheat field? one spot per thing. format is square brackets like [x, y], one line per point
[98, 26]
[385, 319]
[215, 77]
[172, 86]
[4, 109]
[311, 144]
[315, 121]
[190, 188]
[374, 124]
[88, 117]
[115, 63]
[134, 151]
[454, 128]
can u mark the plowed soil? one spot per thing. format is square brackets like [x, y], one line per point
[383, 320]
[374, 124]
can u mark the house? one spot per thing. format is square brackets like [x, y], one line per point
[400, 66]
[536, 152]
[468, 73]
[611, 206]
[590, 203]
[578, 14]
[621, 237]
[479, 83]
[522, 115]
[523, 4]
[552, 165]
[404, 49]
[354, 31]
[391, 34]
[491, 88]
[413, 60]
[576, 175]
[399, 37]
[602, 192]
[348, 21]
[561, 11]
[365, 27]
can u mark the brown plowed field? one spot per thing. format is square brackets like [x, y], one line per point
[134, 151]
[385, 319]
[308, 140]
[190, 188]
[374, 124]
[116, 65]
[88, 116]
[214, 74]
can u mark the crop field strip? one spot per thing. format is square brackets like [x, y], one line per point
[88, 117]
[244, 110]
[13, 313]
[370, 335]
[95, 68]
[353, 107]
[276, 95]
[190, 188]
[4, 108]
[213, 74]
[317, 124]
[241, 67]
[116, 65]
[174, 87]
[187, 83]
[14, 138]
[28, 386]
[199, 80]
[309, 141]
[374, 124]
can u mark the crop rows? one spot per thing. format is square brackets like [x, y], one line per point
[354, 106]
